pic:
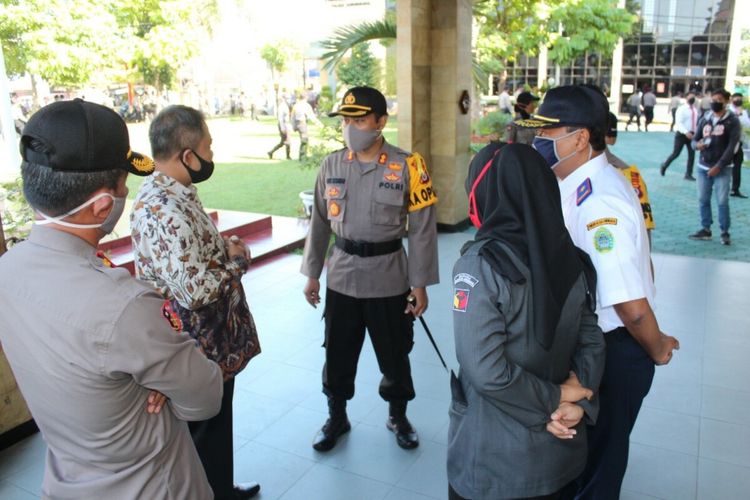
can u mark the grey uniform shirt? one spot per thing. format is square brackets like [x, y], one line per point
[372, 203]
[498, 445]
[86, 344]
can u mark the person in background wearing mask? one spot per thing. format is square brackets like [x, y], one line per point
[365, 195]
[739, 156]
[108, 382]
[179, 251]
[716, 137]
[525, 105]
[605, 220]
[687, 120]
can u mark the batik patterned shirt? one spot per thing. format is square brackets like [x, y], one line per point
[178, 249]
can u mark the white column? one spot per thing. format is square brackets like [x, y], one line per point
[542, 67]
[741, 11]
[616, 81]
[11, 158]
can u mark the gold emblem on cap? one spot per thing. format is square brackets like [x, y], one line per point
[349, 99]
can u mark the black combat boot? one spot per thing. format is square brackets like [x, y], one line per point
[288, 150]
[336, 426]
[406, 436]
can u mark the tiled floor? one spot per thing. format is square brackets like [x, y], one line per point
[692, 439]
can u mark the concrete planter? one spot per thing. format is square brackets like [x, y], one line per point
[307, 198]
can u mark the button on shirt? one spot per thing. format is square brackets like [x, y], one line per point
[608, 224]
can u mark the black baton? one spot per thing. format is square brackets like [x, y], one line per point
[412, 300]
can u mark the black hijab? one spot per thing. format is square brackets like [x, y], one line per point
[518, 201]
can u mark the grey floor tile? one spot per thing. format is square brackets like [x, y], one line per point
[254, 412]
[427, 475]
[372, 452]
[729, 375]
[632, 495]
[10, 491]
[719, 480]
[294, 432]
[727, 405]
[725, 442]
[672, 394]
[238, 441]
[22, 455]
[428, 416]
[288, 383]
[29, 479]
[276, 471]
[667, 430]
[399, 494]
[333, 484]
[365, 400]
[661, 473]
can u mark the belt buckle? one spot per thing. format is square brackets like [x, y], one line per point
[358, 248]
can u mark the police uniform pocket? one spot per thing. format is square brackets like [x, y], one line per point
[335, 195]
[387, 206]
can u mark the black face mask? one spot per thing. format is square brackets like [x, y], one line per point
[207, 168]
[691, 100]
[717, 106]
[737, 102]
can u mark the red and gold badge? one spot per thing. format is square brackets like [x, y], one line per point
[396, 167]
[334, 209]
[333, 192]
[383, 158]
[460, 299]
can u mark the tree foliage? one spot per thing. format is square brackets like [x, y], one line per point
[278, 55]
[362, 68]
[69, 42]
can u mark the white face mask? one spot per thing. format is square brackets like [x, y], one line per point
[118, 207]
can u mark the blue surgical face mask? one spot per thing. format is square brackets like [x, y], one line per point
[547, 147]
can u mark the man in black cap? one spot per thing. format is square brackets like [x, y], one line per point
[365, 194]
[92, 354]
[604, 219]
[525, 105]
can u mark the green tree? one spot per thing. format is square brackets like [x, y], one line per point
[278, 56]
[64, 42]
[361, 69]
[589, 26]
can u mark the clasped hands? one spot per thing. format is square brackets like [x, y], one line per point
[568, 414]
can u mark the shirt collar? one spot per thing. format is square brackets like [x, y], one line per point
[60, 241]
[163, 181]
[569, 185]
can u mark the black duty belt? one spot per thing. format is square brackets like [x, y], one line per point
[367, 249]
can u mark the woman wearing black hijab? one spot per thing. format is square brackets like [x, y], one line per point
[525, 336]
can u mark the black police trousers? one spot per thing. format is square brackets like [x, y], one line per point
[392, 335]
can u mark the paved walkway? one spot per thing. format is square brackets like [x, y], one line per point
[692, 439]
[675, 200]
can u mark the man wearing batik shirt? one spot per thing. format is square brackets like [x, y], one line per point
[179, 250]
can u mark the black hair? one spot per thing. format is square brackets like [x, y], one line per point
[55, 192]
[597, 136]
[174, 129]
[722, 92]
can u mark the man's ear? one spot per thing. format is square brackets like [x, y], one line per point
[382, 121]
[583, 140]
[101, 207]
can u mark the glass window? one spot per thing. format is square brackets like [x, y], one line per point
[664, 54]
[717, 55]
[681, 53]
[630, 55]
[646, 55]
[698, 53]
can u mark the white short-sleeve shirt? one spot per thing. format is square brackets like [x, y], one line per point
[604, 218]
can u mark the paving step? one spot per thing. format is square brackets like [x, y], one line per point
[266, 235]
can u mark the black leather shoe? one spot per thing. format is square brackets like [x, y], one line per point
[406, 436]
[331, 431]
[689, 177]
[243, 491]
[663, 169]
[737, 194]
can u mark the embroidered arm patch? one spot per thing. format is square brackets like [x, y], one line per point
[421, 192]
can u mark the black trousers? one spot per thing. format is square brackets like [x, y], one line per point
[680, 141]
[213, 440]
[648, 112]
[674, 119]
[739, 157]
[392, 335]
[628, 374]
[634, 112]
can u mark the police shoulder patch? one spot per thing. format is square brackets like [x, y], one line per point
[604, 240]
[421, 192]
[606, 221]
[583, 191]
[465, 278]
[460, 299]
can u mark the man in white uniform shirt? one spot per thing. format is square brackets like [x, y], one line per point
[686, 119]
[604, 218]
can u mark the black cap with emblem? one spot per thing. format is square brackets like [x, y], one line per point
[80, 136]
[361, 101]
[570, 105]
